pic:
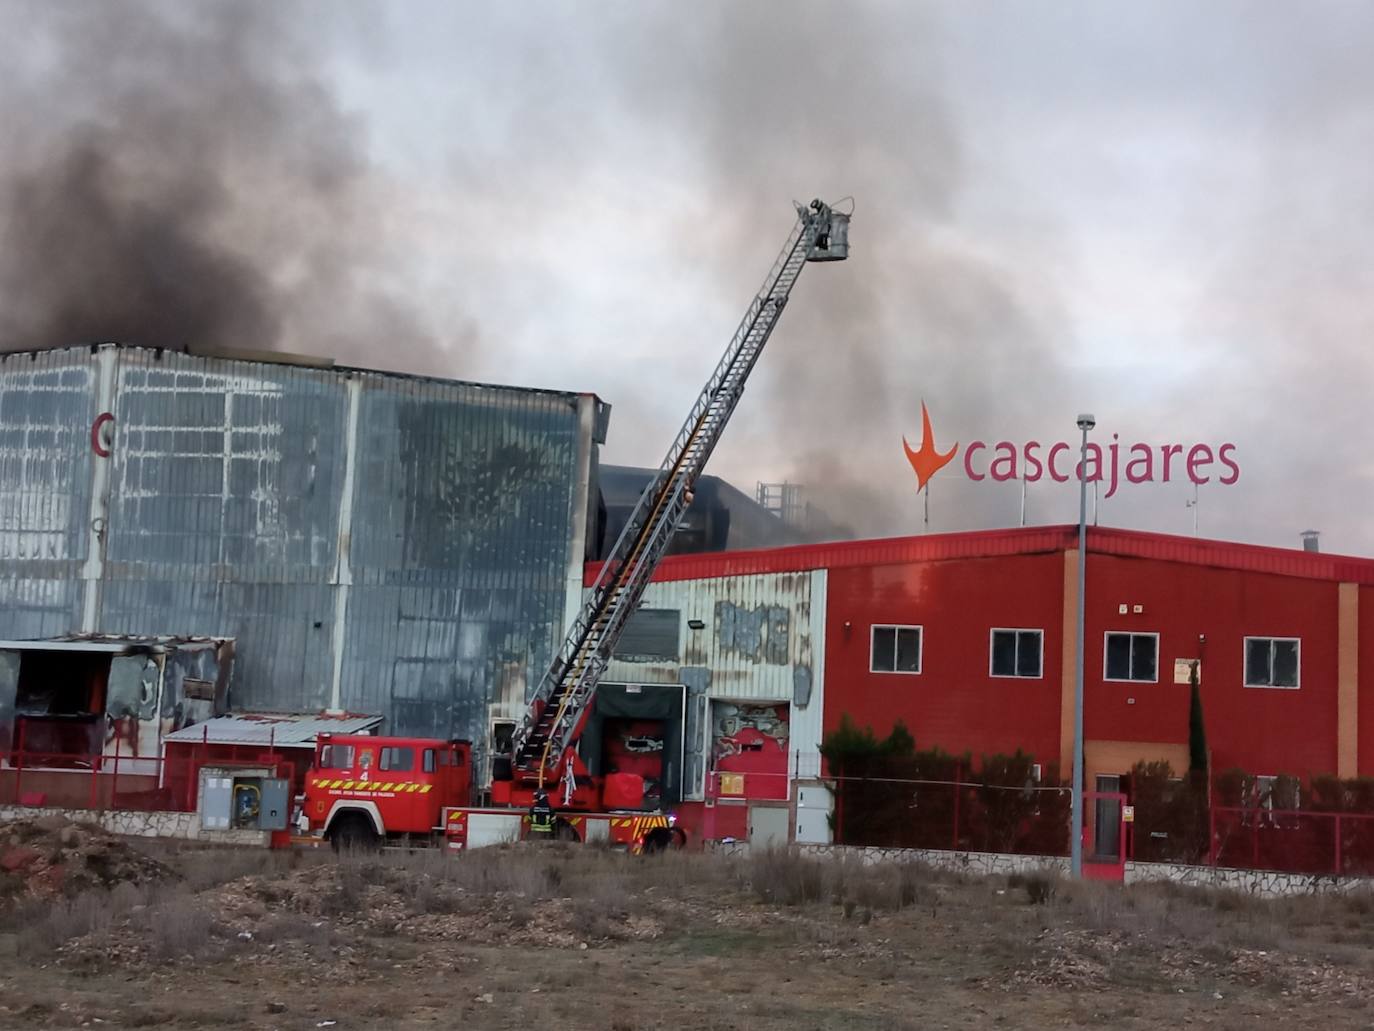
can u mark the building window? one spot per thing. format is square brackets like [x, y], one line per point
[896, 649]
[1017, 653]
[649, 635]
[1271, 662]
[1132, 657]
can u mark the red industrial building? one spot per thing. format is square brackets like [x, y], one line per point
[968, 639]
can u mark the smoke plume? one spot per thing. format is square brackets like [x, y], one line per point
[179, 175]
[835, 101]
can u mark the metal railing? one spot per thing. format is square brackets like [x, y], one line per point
[83, 781]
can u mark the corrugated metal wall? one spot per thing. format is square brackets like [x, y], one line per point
[47, 405]
[460, 547]
[761, 640]
[387, 543]
[224, 500]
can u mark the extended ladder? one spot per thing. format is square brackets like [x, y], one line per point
[566, 690]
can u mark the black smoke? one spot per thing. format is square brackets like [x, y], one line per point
[182, 176]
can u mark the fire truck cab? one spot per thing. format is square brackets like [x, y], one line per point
[362, 790]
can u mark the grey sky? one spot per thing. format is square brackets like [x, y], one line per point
[1156, 212]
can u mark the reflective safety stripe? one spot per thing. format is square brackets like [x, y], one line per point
[425, 789]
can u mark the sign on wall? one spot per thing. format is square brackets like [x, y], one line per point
[1183, 669]
[1112, 464]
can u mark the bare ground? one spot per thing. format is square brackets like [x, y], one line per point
[577, 938]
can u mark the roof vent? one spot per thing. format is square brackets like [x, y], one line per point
[1309, 540]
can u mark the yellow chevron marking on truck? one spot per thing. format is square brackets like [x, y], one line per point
[426, 788]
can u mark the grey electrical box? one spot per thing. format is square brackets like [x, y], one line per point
[243, 800]
[276, 804]
[216, 800]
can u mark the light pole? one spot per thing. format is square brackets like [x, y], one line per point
[1085, 423]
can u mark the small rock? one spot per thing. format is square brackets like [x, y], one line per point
[276, 1007]
[245, 936]
[582, 946]
[485, 997]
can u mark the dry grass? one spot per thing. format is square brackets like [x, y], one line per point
[179, 925]
[788, 877]
[776, 940]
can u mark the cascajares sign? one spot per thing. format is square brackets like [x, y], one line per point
[1111, 464]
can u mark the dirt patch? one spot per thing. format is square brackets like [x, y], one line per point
[49, 857]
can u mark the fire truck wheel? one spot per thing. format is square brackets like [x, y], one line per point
[564, 831]
[353, 832]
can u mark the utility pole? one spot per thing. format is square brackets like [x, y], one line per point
[1085, 423]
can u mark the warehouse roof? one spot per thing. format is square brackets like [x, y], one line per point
[284, 730]
[285, 358]
[1030, 540]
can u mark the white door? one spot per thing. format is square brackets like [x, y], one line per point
[767, 825]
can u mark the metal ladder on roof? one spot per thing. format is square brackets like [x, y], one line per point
[567, 688]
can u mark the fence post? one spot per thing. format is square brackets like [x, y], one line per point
[19, 760]
[1211, 836]
[114, 783]
[708, 830]
[1338, 845]
[958, 776]
[95, 783]
[839, 808]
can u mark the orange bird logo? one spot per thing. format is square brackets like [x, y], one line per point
[925, 460]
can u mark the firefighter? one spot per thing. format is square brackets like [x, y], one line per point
[541, 817]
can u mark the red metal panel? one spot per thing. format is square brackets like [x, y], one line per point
[953, 702]
[1264, 730]
[1365, 722]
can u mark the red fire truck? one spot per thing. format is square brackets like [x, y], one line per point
[361, 791]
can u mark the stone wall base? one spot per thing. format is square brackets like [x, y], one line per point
[185, 826]
[1267, 883]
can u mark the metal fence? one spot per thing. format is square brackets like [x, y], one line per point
[893, 812]
[1177, 821]
[119, 782]
[1293, 841]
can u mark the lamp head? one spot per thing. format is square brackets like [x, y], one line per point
[1086, 422]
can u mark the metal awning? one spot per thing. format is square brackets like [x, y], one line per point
[282, 730]
[114, 644]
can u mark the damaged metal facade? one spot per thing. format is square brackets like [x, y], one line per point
[742, 643]
[106, 695]
[374, 542]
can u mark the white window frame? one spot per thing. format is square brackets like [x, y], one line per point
[1245, 661]
[992, 632]
[1131, 633]
[920, 648]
